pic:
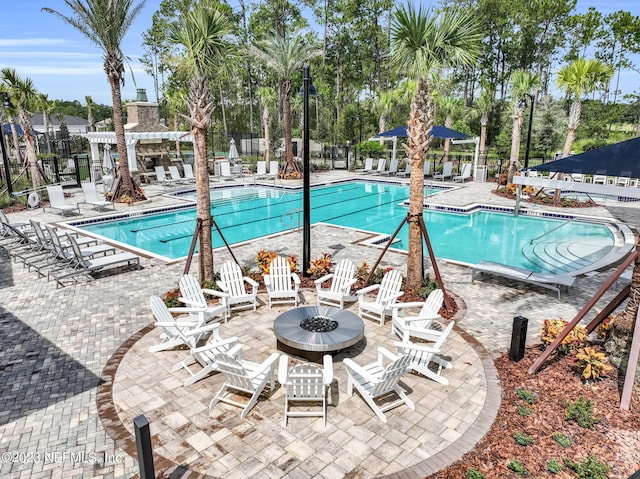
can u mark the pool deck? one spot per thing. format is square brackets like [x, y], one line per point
[75, 370]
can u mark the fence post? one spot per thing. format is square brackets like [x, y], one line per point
[143, 445]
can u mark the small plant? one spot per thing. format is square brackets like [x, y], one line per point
[592, 362]
[561, 439]
[524, 411]
[581, 412]
[552, 328]
[362, 271]
[473, 474]
[320, 266]
[554, 466]
[518, 467]
[427, 286]
[263, 260]
[604, 328]
[378, 275]
[589, 468]
[522, 438]
[526, 396]
[171, 298]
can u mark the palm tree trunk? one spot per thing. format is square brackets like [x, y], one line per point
[515, 145]
[125, 183]
[483, 137]
[32, 158]
[16, 141]
[203, 201]
[574, 120]
[419, 135]
[290, 166]
[267, 139]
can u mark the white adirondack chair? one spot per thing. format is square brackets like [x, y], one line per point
[305, 383]
[381, 305]
[169, 337]
[408, 325]
[422, 356]
[193, 296]
[341, 281]
[234, 284]
[244, 377]
[378, 380]
[282, 284]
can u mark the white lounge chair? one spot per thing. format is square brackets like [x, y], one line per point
[368, 167]
[447, 171]
[57, 202]
[426, 169]
[382, 164]
[235, 285]
[192, 294]
[225, 171]
[282, 283]
[388, 292]
[342, 279]
[244, 377]
[175, 175]
[273, 170]
[261, 170]
[393, 168]
[379, 379]
[407, 325]
[422, 356]
[465, 174]
[162, 177]
[188, 173]
[305, 383]
[407, 170]
[91, 198]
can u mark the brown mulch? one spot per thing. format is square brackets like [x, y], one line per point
[615, 439]
[544, 200]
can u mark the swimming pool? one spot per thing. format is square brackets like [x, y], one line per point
[248, 212]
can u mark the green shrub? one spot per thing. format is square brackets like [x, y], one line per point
[554, 466]
[524, 411]
[581, 412]
[526, 396]
[561, 439]
[427, 286]
[589, 468]
[522, 438]
[518, 467]
[5, 201]
[473, 474]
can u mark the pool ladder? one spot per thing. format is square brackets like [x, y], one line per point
[292, 219]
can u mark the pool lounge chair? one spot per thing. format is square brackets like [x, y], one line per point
[554, 282]
[175, 175]
[426, 169]
[162, 177]
[368, 167]
[382, 164]
[188, 173]
[56, 201]
[407, 170]
[91, 198]
[465, 174]
[261, 170]
[393, 168]
[447, 171]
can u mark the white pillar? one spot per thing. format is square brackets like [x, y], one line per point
[131, 154]
[96, 163]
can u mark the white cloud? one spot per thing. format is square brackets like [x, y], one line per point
[31, 42]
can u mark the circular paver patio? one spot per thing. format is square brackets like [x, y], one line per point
[447, 422]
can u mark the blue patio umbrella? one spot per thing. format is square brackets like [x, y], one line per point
[6, 129]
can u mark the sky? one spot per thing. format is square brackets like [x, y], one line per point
[64, 65]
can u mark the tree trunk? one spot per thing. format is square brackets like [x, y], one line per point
[178, 145]
[484, 120]
[29, 141]
[267, 139]
[16, 141]
[448, 122]
[203, 201]
[419, 135]
[290, 167]
[574, 121]
[631, 309]
[124, 185]
[515, 144]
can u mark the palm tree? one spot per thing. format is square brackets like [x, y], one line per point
[105, 23]
[202, 32]
[523, 85]
[423, 44]
[24, 97]
[48, 107]
[268, 99]
[449, 106]
[90, 118]
[176, 100]
[483, 106]
[285, 56]
[578, 79]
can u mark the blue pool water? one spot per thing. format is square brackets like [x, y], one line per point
[539, 244]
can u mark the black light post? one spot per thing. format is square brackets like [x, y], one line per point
[526, 151]
[307, 90]
[5, 157]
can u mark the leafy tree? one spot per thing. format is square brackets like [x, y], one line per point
[523, 86]
[48, 107]
[583, 31]
[90, 118]
[202, 32]
[105, 23]
[450, 107]
[547, 127]
[423, 44]
[285, 56]
[24, 97]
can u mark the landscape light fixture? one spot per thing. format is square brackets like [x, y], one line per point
[307, 90]
[5, 158]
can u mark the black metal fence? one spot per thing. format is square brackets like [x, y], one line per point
[66, 171]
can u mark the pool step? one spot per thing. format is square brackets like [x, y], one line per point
[555, 257]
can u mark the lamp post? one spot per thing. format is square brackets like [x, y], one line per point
[307, 90]
[526, 151]
[5, 157]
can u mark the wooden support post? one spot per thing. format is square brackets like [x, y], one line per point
[192, 248]
[632, 366]
[225, 241]
[393, 236]
[434, 263]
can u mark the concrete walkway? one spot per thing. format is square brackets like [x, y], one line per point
[70, 388]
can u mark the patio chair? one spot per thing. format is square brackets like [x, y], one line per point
[305, 383]
[382, 164]
[447, 171]
[368, 167]
[169, 337]
[188, 173]
[57, 202]
[245, 377]
[162, 177]
[235, 285]
[379, 380]
[192, 294]
[381, 305]
[225, 171]
[91, 198]
[175, 175]
[273, 170]
[422, 356]
[4, 220]
[426, 169]
[465, 174]
[261, 170]
[393, 168]
[282, 283]
[405, 325]
[407, 170]
[341, 281]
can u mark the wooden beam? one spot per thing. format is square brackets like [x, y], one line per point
[632, 366]
[609, 308]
